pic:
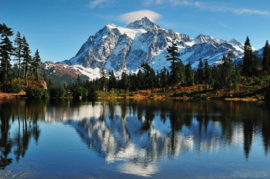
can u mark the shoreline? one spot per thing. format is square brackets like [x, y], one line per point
[246, 99]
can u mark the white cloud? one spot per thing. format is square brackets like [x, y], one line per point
[137, 15]
[213, 7]
[223, 8]
[96, 3]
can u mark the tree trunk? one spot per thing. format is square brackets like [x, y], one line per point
[6, 71]
[26, 80]
[24, 70]
[19, 72]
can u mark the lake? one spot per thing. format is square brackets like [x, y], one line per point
[134, 139]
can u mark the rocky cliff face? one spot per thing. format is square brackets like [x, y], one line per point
[126, 48]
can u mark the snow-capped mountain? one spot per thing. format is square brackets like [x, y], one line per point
[126, 48]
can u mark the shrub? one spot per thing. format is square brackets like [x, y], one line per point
[179, 94]
[153, 95]
[131, 94]
[12, 87]
[236, 87]
[176, 94]
[36, 93]
[179, 87]
[57, 91]
[167, 86]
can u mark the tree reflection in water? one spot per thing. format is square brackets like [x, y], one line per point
[140, 132]
[27, 114]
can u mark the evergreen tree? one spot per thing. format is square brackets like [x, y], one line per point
[134, 82]
[149, 75]
[163, 77]
[180, 71]
[103, 78]
[79, 81]
[207, 72]
[256, 65]
[19, 50]
[248, 59]
[45, 77]
[200, 73]
[173, 57]
[124, 83]
[27, 60]
[266, 58]
[50, 83]
[227, 69]
[112, 80]
[157, 85]
[168, 76]
[36, 64]
[189, 75]
[140, 80]
[6, 49]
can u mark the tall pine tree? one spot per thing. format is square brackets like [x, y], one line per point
[248, 59]
[180, 67]
[36, 64]
[27, 60]
[103, 78]
[200, 73]
[266, 58]
[207, 72]
[173, 57]
[163, 77]
[6, 49]
[189, 75]
[112, 80]
[19, 51]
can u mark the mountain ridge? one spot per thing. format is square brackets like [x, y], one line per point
[126, 48]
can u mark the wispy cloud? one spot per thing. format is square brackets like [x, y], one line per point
[96, 3]
[212, 7]
[137, 15]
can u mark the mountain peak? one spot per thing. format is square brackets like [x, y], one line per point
[144, 23]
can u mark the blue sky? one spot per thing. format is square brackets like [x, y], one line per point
[58, 28]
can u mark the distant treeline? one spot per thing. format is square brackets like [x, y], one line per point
[219, 76]
[223, 75]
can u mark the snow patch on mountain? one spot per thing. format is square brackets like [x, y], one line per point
[127, 48]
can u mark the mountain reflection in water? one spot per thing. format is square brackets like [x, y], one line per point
[138, 133]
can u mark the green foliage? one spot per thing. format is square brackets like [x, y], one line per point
[6, 49]
[179, 94]
[189, 75]
[124, 82]
[12, 87]
[266, 58]
[153, 95]
[149, 76]
[179, 87]
[36, 93]
[57, 92]
[235, 85]
[174, 58]
[200, 73]
[207, 73]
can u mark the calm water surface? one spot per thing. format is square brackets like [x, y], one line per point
[134, 139]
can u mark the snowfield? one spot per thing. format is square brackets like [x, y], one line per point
[127, 48]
